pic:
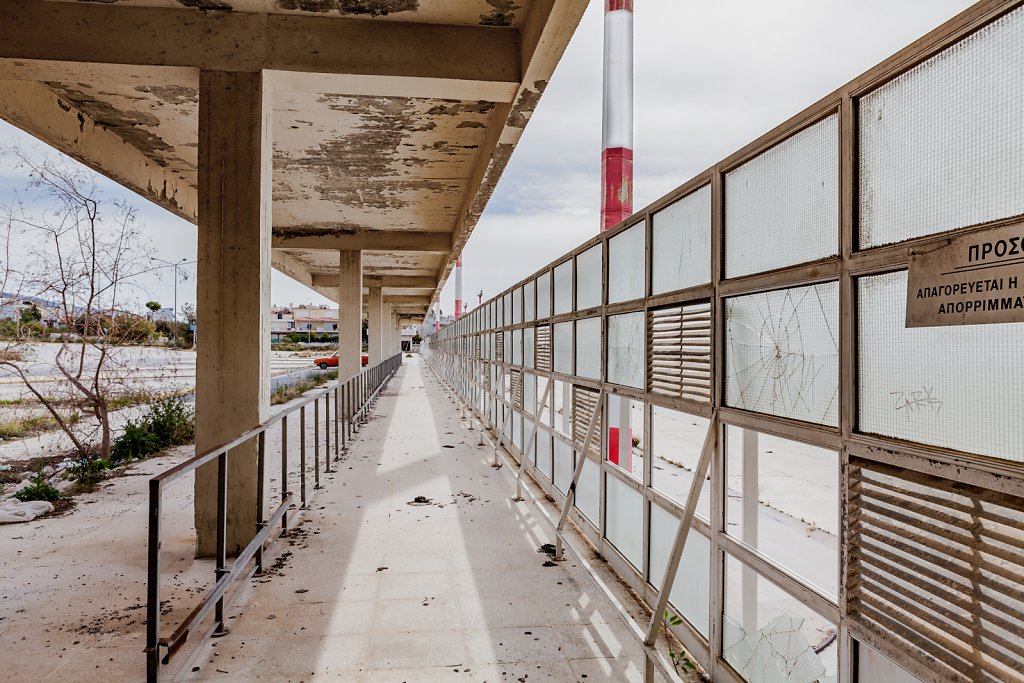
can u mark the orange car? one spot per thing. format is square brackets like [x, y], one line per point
[331, 361]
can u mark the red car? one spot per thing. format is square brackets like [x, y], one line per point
[331, 361]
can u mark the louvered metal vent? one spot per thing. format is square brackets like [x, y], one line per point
[499, 346]
[935, 572]
[584, 403]
[516, 388]
[543, 360]
[679, 351]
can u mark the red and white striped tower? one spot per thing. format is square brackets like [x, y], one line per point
[617, 176]
[458, 288]
[617, 121]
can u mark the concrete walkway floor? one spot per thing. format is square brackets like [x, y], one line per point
[376, 588]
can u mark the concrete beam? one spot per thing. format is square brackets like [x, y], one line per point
[363, 240]
[392, 281]
[424, 300]
[40, 112]
[244, 41]
[293, 268]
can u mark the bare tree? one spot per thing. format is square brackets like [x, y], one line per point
[83, 253]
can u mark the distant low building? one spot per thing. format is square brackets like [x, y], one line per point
[312, 322]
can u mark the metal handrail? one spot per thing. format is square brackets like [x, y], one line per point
[352, 400]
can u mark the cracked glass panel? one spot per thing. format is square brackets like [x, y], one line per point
[563, 348]
[529, 305]
[624, 519]
[626, 349]
[782, 206]
[588, 347]
[957, 387]
[691, 589]
[588, 491]
[782, 499]
[681, 243]
[942, 145]
[588, 278]
[677, 442]
[563, 287]
[627, 264]
[625, 439]
[769, 635]
[782, 353]
[544, 295]
[564, 465]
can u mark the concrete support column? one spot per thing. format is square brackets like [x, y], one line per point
[350, 313]
[233, 294]
[375, 325]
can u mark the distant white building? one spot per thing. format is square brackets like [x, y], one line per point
[307, 320]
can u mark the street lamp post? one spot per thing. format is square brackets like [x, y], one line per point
[175, 265]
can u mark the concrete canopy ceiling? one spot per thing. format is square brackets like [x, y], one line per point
[392, 119]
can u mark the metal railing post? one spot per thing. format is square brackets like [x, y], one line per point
[222, 534]
[261, 474]
[316, 445]
[284, 472]
[153, 586]
[302, 455]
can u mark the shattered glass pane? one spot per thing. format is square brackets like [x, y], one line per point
[626, 349]
[782, 353]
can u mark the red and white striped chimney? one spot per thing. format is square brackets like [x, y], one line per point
[437, 317]
[458, 288]
[617, 121]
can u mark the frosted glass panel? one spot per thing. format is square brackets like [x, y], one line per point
[782, 499]
[681, 243]
[766, 629]
[543, 455]
[529, 349]
[563, 288]
[517, 430]
[517, 347]
[529, 395]
[506, 353]
[564, 465]
[626, 349]
[588, 491]
[782, 353]
[624, 519]
[563, 348]
[588, 348]
[517, 306]
[626, 264]
[690, 592]
[782, 207]
[529, 305]
[942, 145]
[959, 387]
[507, 306]
[544, 295]
[678, 439]
[873, 666]
[588, 278]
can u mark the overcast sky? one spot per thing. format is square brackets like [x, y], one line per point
[709, 77]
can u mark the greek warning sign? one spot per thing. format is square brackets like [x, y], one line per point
[975, 279]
